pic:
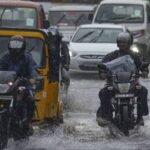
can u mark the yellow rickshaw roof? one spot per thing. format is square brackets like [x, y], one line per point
[37, 33]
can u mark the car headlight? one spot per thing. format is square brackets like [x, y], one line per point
[72, 53]
[135, 49]
[123, 87]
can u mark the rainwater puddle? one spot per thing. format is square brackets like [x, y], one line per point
[80, 130]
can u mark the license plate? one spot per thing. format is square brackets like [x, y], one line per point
[90, 64]
[124, 95]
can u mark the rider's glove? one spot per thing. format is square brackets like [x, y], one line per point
[33, 81]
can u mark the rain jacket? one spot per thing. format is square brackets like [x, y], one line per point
[65, 57]
[118, 53]
[24, 67]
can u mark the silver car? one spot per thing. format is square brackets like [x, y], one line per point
[90, 43]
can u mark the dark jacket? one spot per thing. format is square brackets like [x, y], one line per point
[118, 53]
[65, 57]
[25, 67]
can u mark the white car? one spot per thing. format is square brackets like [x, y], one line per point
[90, 43]
[134, 14]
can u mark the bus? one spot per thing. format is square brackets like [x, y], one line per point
[47, 4]
[68, 17]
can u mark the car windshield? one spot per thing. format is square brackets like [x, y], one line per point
[19, 17]
[96, 35]
[126, 13]
[69, 18]
[33, 46]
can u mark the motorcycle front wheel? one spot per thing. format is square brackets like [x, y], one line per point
[3, 132]
[125, 119]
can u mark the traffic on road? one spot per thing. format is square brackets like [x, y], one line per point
[74, 75]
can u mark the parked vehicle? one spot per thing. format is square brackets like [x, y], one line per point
[48, 105]
[47, 4]
[123, 86]
[68, 17]
[22, 14]
[90, 43]
[134, 14]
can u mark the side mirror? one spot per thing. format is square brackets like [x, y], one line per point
[46, 24]
[90, 17]
[148, 19]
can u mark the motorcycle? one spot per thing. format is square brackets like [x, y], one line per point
[123, 86]
[13, 108]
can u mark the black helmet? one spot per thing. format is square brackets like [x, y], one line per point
[124, 37]
[16, 46]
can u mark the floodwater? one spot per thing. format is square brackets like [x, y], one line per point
[80, 130]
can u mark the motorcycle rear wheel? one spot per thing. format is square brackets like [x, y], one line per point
[3, 141]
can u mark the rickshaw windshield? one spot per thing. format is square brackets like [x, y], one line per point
[20, 17]
[34, 46]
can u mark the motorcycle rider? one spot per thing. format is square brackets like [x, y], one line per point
[104, 112]
[16, 59]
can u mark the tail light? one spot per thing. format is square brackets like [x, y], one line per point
[138, 33]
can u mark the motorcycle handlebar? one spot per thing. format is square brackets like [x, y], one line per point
[101, 66]
[145, 65]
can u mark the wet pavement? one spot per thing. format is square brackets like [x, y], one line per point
[80, 130]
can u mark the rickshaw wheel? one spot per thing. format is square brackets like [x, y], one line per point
[60, 112]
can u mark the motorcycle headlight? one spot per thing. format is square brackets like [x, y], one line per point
[10, 83]
[123, 87]
[135, 49]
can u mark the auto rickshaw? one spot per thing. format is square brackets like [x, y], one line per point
[22, 14]
[48, 105]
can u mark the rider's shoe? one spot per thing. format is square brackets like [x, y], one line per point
[27, 124]
[30, 131]
[140, 121]
[102, 121]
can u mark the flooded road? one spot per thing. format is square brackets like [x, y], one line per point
[80, 130]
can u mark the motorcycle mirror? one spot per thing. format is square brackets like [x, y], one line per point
[145, 64]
